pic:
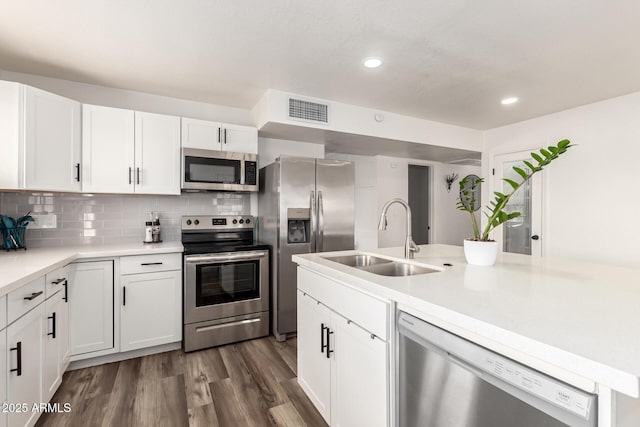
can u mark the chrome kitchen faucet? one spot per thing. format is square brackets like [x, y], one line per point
[409, 245]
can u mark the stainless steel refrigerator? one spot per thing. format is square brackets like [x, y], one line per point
[305, 205]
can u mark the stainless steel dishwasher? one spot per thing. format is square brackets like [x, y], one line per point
[447, 381]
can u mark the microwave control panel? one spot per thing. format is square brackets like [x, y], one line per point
[250, 173]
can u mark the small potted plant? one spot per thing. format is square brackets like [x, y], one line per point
[481, 249]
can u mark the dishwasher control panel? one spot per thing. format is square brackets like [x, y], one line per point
[538, 384]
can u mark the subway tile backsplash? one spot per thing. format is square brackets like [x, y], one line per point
[109, 219]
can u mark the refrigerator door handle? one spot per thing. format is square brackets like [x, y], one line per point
[320, 246]
[313, 220]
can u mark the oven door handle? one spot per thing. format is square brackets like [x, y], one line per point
[224, 258]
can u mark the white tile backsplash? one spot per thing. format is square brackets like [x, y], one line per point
[110, 219]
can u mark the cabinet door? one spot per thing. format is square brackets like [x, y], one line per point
[3, 374]
[63, 329]
[151, 309]
[51, 142]
[24, 339]
[243, 139]
[314, 368]
[157, 155]
[91, 307]
[107, 149]
[360, 374]
[51, 375]
[201, 134]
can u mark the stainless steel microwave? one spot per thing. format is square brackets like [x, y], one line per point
[210, 170]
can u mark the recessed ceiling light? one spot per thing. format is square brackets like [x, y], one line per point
[372, 62]
[508, 101]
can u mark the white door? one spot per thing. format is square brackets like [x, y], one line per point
[51, 375]
[201, 134]
[157, 154]
[91, 307]
[360, 373]
[3, 374]
[107, 150]
[242, 139]
[24, 339]
[521, 235]
[314, 368]
[150, 310]
[52, 142]
[63, 330]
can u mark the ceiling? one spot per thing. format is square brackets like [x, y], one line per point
[449, 61]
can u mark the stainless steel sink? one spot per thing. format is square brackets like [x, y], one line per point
[398, 269]
[359, 261]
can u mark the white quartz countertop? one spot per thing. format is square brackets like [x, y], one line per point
[21, 267]
[560, 316]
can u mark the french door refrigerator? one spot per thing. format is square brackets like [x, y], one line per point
[305, 205]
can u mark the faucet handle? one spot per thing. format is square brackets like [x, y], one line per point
[413, 247]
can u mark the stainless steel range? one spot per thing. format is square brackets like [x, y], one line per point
[226, 281]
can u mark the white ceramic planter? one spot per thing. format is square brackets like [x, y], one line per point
[480, 253]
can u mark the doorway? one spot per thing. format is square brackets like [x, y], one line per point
[521, 235]
[419, 186]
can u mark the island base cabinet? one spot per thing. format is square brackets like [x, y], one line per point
[56, 344]
[151, 312]
[314, 368]
[24, 342]
[342, 368]
[91, 319]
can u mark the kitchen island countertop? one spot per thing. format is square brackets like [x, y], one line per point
[570, 319]
[20, 267]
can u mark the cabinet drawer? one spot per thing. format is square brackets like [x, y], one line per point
[369, 312]
[148, 263]
[56, 280]
[24, 299]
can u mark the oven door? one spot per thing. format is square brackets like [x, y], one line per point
[225, 284]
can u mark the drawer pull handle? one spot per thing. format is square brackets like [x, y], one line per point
[18, 349]
[322, 344]
[65, 298]
[150, 263]
[58, 281]
[329, 351]
[53, 317]
[34, 295]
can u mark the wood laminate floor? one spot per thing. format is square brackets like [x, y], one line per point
[252, 383]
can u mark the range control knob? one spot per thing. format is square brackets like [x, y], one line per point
[248, 221]
[235, 221]
[188, 222]
[241, 221]
[196, 222]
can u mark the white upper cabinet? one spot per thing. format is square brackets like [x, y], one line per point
[130, 152]
[157, 155]
[208, 135]
[107, 149]
[41, 140]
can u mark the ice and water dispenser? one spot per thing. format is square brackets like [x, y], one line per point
[298, 225]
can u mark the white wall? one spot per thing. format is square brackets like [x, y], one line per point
[269, 149]
[120, 98]
[591, 209]
[451, 226]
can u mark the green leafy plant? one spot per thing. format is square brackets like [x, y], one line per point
[495, 210]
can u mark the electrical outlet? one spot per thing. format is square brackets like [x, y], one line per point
[44, 221]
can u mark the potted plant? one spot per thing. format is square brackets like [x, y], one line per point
[481, 249]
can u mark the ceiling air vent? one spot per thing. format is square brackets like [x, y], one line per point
[308, 111]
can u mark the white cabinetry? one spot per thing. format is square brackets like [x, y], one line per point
[130, 152]
[3, 358]
[25, 352]
[208, 135]
[41, 139]
[343, 351]
[91, 318]
[151, 308]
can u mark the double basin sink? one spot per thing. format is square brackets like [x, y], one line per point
[382, 266]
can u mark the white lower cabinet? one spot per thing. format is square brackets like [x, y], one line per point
[91, 321]
[151, 311]
[56, 343]
[3, 370]
[24, 342]
[342, 367]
